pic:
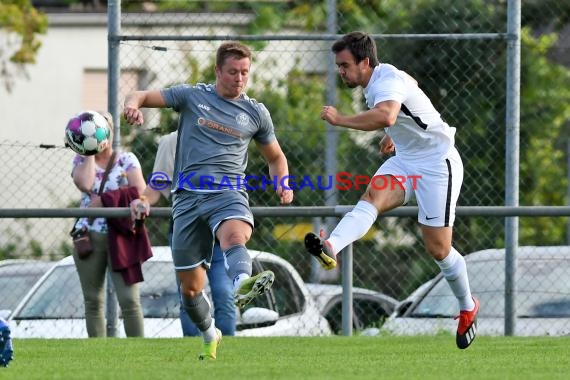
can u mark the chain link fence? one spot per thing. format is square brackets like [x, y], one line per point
[457, 52]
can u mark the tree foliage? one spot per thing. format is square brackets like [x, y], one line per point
[20, 23]
[545, 117]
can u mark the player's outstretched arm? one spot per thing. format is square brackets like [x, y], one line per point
[383, 115]
[135, 100]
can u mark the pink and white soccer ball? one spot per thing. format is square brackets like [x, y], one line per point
[87, 133]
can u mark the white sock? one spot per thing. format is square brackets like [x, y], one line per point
[454, 270]
[210, 334]
[353, 225]
[239, 279]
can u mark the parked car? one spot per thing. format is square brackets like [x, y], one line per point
[54, 306]
[542, 300]
[370, 308]
[17, 276]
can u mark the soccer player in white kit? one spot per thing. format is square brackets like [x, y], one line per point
[426, 163]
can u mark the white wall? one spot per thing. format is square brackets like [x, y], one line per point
[38, 108]
[36, 112]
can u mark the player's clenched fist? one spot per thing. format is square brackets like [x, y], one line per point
[285, 196]
[133, 116]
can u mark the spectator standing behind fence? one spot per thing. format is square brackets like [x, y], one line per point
[220, 284]
[425, 151]
[217, 123]
[87, 174]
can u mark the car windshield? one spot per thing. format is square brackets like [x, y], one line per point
[159, 296]
[16, 280]
[541, 291]
[288, 297]
[59, 296]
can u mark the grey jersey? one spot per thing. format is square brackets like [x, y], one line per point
[213, 136]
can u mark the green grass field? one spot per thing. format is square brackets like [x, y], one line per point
[292, 358]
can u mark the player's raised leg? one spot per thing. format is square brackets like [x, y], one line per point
[253, 287]
[356, 223]
[233, 234]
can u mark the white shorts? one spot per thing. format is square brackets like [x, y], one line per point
[435, 184]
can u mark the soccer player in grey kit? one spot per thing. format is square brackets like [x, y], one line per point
[217, 122]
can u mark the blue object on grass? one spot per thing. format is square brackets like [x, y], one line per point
[6, 349]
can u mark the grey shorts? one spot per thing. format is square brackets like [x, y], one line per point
[196, 217]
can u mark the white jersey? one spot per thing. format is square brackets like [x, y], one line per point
[419, 131]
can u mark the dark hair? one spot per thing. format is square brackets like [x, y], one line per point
[231, 49]
[360, 45]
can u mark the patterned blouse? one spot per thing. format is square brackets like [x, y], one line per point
[124, 162]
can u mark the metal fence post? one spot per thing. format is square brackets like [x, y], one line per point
[114, 66]
[347, 284]
[568, 189]
[512, 158]
[113, 76]
[111, 313]
[331, 195]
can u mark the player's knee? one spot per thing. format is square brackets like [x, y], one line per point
[190, 289]
[233, 232]
[189, 292]
[438, 250]
[384, 199]
[371, 195]
[236, 237]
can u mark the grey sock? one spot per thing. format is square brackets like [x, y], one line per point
[238, 261]
[198, 309]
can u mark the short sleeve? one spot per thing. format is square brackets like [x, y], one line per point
[175, 96]
[77, 160]
[393, 87]
[266, 133]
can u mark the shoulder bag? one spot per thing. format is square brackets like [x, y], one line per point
[81, 239]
